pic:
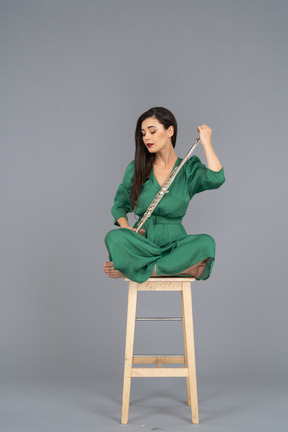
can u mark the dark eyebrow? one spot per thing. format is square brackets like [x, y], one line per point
[148, 128]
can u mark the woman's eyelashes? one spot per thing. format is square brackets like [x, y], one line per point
[151, 133]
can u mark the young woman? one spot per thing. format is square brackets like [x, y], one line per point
[162, 247]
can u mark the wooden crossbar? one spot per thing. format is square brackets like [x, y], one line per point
[159, 372]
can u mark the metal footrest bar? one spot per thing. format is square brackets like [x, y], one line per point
[158, 319]
[158, 355]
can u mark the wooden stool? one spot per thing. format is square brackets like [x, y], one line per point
[188, 359]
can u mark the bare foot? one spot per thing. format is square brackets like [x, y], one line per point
[196, 270]
[108, 268]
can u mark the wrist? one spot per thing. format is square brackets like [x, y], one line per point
[124, 225]
[123, 222]
[207, 144]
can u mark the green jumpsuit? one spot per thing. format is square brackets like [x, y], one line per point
[165, 242]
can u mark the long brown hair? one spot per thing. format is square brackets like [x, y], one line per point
[143, 159]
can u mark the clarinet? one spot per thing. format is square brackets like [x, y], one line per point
[165, 187]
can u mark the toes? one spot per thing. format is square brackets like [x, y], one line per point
[108, 265]
[108, 270]
[200, 269]
[113, 273]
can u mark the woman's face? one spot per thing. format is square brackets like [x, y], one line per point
[154, 136]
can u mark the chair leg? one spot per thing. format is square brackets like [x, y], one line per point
[185, 351]
[189, 335]
[130, 331]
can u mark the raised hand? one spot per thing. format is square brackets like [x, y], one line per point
[205, 133]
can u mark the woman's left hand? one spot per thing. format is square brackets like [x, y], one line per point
[205, 133]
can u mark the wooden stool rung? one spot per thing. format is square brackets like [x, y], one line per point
[159, 372]
[143, 359]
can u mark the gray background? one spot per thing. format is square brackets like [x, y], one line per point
[75, 76]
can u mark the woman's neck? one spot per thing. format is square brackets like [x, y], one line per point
[165, 157]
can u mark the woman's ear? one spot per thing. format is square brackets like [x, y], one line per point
[170, 131]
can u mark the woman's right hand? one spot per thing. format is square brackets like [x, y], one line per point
[134, 229]
[123, 222]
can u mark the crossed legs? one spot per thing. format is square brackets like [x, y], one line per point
[130, 247]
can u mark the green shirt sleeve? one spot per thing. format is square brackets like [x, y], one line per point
[121, 204]
[201, 178]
